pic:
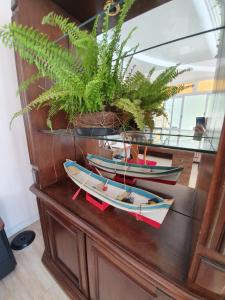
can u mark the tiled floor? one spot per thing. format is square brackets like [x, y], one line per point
[30, 279]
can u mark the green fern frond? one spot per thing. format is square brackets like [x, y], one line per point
[85, 43]
[26, 83]
[40, 101]
[93, 96]
[121, 53]
[132, 107]
[95, 27]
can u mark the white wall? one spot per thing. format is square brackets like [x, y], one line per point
[17, 204]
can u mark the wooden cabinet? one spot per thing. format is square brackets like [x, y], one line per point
[113, 278]
[112, 256]
[65, 252]
[91, 265]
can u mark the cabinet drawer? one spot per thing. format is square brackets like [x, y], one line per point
[211, 276]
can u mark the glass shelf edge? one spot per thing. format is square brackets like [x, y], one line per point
[70, 133]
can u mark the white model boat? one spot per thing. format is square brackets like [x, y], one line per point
[155, 173]
[130, 199]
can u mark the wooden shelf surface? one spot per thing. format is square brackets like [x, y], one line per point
[166, 249]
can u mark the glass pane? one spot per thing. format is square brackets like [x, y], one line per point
[194, 106]
[173, 20]
[210, 105]
[177, 105]
[168, 109]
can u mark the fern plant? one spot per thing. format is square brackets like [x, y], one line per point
[84, 79]
[143, 98]
[92, 76]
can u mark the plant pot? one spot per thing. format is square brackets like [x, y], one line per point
[95, 131]
[98, 123]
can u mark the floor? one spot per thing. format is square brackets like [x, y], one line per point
[30, 279]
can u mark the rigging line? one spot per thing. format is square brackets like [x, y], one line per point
[175, 40]
[90, 19]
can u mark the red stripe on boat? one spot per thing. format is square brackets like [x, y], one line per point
[146, 220]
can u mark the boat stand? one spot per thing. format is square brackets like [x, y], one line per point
[92, 200]
[97, 203]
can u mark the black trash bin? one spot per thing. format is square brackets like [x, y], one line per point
[7, 259]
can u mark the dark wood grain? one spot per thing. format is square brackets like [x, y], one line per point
[64, 253]
[166, 248]
[72, 291]
[108, 277]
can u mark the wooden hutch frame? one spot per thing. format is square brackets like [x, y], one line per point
[111, 256]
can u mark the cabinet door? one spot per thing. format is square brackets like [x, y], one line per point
[67, 249]
[111, 279]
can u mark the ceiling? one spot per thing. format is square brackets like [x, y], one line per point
[159, 21]
[170, 21]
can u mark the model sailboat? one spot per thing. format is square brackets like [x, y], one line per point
[162, 174]
[130, 199]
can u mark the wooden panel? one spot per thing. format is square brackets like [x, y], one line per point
[211, 276]
[64, 248]
[67, 248]
[108, 280]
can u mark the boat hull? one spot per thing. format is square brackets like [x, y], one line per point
[156, 213]
[167, 175]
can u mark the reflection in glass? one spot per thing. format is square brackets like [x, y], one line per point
[194, 106]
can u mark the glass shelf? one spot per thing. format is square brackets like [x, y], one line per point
[173, 139]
